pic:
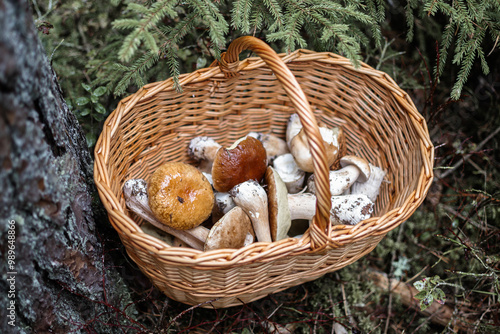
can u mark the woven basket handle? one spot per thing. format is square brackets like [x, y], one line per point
[320, 228]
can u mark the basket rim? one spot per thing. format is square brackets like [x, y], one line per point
[339, 235]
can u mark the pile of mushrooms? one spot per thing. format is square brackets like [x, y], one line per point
[255, 190]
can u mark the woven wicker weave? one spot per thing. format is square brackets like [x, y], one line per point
[226, 102]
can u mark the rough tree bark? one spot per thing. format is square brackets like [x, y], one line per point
[57, 281]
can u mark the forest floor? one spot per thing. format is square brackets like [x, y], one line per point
[451, 244]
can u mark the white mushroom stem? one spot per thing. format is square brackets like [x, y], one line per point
[353, 169]
[204, 149]
[346, 210]
[274, 145]
[292, 176]
[136, 198]
[371, 187]
[223, 203]
[209, 178]
[252, 198]
[340, 180]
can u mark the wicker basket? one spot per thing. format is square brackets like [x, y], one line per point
[226, 102]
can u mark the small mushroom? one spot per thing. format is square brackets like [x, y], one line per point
[289, 172]
[223, 204]
[136, 198]
[180, 196]
[233, 230]
[274, 145]
[353, 169]
[252, 198]
[346, 209]
[333, 139]
[371, 187]
[279, 212]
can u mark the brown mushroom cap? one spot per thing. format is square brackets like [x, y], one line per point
[245, 160]
[279, 212]
[233, 230]
[180, 196]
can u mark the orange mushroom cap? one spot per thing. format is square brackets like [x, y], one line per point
[180, 196]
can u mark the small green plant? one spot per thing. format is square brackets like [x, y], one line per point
[429, 291]
[89, 109]
[400, 266]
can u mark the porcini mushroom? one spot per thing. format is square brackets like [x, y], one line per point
[346, 209]
[333, 139]
[245, 160]
[233, 230]
[274, 145]
[370, 187]
[203, 149]
[353, 169]
[284, 208]
[278, 210]
[293, 127]
[136, 199]
[180, 196]
[252, 198]
[289, 172]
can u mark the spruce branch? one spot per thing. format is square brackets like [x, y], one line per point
[469, 22]
[142, 27]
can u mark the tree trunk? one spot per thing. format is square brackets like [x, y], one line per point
[53, 273]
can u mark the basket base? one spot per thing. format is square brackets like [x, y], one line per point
[205, 293]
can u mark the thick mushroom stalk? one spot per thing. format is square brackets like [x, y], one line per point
[136, 198]
[353, 169]
[346, 210]
[204, 149]
[371, 187]
[289, 172]
[252, 198]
